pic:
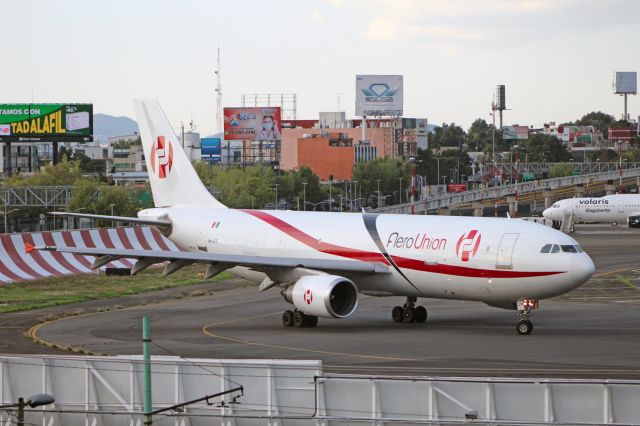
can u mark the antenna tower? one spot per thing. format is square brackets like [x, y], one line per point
[219, 97]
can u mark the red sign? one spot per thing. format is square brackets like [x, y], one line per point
[254, 124]
[456, 187]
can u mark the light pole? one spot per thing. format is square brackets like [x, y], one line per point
[37, 400]
[6, 213]
[378, 180]
[355, 190]
[304, 196]
[400, 193]
[276, 190]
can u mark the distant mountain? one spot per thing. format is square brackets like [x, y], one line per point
[105, 126]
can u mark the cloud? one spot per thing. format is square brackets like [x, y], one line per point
[497, 22]
[316, 16]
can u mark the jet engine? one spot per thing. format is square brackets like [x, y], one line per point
[328, 296]
[634, 221]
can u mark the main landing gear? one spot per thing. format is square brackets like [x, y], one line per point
[297, 318]
[409, 312]
[525, 306]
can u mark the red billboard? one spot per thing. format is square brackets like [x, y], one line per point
[255, 124]
[456, 187]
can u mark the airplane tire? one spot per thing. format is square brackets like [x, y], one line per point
[409, 315]
[397, 313]
[298, 319]
[420, 314]
[524, 327]
[287, 318]
[311, 321]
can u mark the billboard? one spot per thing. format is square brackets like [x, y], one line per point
[422, 133]
[379, 95]
[46, 122]
[255, 124]
[515, 132]
[626, 82]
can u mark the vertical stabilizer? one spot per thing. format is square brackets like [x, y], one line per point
[173, 179]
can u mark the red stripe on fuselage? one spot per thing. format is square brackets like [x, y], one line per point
[401, 262]
[463, 271]
[321, 246]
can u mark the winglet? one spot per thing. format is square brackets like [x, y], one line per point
[28, 248]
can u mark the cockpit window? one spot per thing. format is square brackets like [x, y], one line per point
[556, 206]
[569, 249]
[555, 249]
[546, 248]
[579, 249]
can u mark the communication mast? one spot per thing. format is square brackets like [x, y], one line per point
[501, 103]
[219, 97]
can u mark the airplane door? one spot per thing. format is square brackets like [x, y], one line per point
[505, 251]
[620, 205]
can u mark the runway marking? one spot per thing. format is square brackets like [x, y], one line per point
[602, 274]
[205, 330]
[32, 333]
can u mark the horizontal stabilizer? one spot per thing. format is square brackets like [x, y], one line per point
[141, 221]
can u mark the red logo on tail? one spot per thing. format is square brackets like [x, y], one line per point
[468, 245]
[162, 157]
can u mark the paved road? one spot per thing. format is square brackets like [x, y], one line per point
[592, 340]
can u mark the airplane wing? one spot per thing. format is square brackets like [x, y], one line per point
[218, 262]
[141, 221]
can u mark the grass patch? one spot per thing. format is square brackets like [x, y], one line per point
[55, 291]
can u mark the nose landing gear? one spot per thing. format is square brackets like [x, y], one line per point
[409, 312]
[525, 306]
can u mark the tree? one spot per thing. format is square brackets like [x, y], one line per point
[388, 171]
[541, 148]
[560, 170]
[64, 173]
[598, 119]
[480, 135]
[449, 135]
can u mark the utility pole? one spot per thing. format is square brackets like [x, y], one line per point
[219, 97]
[146, 351]
[378, 180]
[304, 196]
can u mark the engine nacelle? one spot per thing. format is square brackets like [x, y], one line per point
[633, 221]
[328, 296]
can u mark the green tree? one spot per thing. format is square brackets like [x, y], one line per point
[480, 135]
[598, 119]
[448, 135]
[64, 173]
[293, 189]
[541, 148]
[560, 170]
[388, 171]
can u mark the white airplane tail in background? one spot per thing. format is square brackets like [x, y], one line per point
[173, 179]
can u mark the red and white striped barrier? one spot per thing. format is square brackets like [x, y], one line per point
[17, 265]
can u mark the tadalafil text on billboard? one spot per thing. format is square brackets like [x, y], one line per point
[255, 124]
[46, 122]
[379, 95]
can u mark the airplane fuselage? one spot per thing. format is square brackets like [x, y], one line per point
[497, 261]
[612, 208]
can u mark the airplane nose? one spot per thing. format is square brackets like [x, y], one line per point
[547, 213]
[582, 269]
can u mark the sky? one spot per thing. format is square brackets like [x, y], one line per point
[557, 58]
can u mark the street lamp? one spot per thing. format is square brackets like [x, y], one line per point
[400, 193]
[6, 213]
[37, 400]
[378, 180]
[304, 196]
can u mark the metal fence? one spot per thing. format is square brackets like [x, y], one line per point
[497, 192]
[104, 391]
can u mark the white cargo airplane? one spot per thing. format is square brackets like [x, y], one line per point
[613, 209]
[321, 261]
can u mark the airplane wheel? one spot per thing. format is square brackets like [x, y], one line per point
[614, 223]
[298, 319]
[311, 320]
[524, 327]
[287, 318]
[409, 315]
[397, 314]
[420, 314]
